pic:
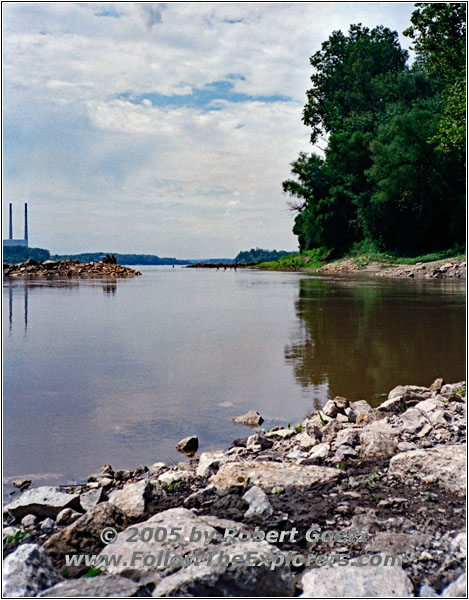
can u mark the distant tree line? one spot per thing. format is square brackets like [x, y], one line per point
[18, 254]
[122, 259]
[392, 168]
[257, 255]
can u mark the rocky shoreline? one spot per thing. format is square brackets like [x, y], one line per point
[394, 475]
[51, 269]
[440, 269]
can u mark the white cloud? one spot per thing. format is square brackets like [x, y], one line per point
[89, 158]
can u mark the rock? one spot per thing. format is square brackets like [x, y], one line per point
[132, 498]
[305, 440]
[396, 543]
[442, 464]
[230, 580]
[43, 502]
[456, 589]
[29, 521]
[320, 451]
[173, 476]
[158, 466]
[188, 445]
[259, 505]
[413, 420]
[209, 461]
[107, 470]
[405, 446]
[184, 521]
[282, 434]
[330, 409]
[361, 407]
[27, 571]
[348, 437]
[83, 536]
[22, 484]
[91, 498]
[251, 418]
[341, 403]
[437, 385]
[200, 496]
[104, 586]
[395, 405]
[343, 452]
[67, 516]
[47, 524]
[374, 444]
[411, 394]
[350, 414]
[357, 582]
[270, 474]
[455, 392]
[426, 591]
[259, 441]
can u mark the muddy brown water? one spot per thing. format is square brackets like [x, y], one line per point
[118, 372]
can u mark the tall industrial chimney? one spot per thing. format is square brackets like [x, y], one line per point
[26, 221]
[11, 222]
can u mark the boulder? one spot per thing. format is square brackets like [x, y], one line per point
[187, 525]
[394, 405]
[188, 445]
[270, 474]
[320, 452]
[27, 571]
[22, 484]
[411, 394]
[104, 586]
[281, 434]
[66, 516]
[84, 535]
[374, 444]
[232, 580]
[456, 589]
[258, 442]
[252, 418]
[445, 465]
[413, 420]
[357, 582]
[91, 498]
[47, 524]
[132, 498]
[209, 461]
[437, 385]
[170, 477]
[330, 409]
[259, 505]
[43, 502]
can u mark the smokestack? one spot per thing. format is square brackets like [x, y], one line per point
[11, 222]
[26, 221]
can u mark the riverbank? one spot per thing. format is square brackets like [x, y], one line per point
[51, 269]
[382, 482]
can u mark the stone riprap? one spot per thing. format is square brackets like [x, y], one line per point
[395, 473]
[51, 269]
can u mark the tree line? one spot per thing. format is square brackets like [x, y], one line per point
[390, 170]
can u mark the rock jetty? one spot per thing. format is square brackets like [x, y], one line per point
[442, 269]
[51, 269]
[385, 486]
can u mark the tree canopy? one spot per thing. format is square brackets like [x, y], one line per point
[393, 169]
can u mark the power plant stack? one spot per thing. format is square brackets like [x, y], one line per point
[17, 242]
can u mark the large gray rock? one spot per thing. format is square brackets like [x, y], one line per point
[84, 535]
[91, 498]
[104, 586]
[209, 461]
[357, 582]
[188, 445]
[231, 580]
[456, 589]
[181, 520]
[411, 394]
[445, 465]
[132, 498]
[252, 418]
[27, 571]
[43, 502]
[259, 505]
[374, 444]
[270, 474]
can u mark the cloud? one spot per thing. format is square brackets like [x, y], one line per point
[149, 118]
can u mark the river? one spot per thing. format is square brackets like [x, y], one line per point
[119, 371]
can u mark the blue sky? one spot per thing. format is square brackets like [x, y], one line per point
[162, 128]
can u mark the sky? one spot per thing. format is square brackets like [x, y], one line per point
[161, 128]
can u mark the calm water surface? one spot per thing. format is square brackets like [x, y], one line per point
[118, 372]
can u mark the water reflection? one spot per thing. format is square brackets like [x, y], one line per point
[362, 339]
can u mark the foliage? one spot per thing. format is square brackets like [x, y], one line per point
[392, 172]
[122, 259]
[18, 254]
[257, 255]
[306, 260]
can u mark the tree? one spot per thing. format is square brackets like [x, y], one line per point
[439, 34]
